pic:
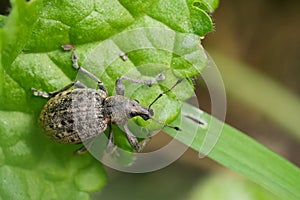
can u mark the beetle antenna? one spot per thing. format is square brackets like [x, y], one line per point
[165, 92]
[159, 96]
[167, 125]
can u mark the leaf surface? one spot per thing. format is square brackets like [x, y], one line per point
[156, 35]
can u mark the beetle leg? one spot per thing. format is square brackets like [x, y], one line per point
[85, 147]
[120, 88]
[39, 93]
[111, 147]
[52, 94]
[81, 150]
[132, 139]
[79, 85]
[93, 77]
[74, 58]
[143, 144]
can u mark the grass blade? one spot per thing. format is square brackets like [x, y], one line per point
[238, 152]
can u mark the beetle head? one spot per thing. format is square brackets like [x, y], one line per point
[119, 109]
[136, 109]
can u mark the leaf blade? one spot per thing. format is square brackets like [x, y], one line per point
[253, 160]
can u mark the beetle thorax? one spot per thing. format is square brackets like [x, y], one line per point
[120, 109]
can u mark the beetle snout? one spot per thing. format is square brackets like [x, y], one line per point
[147, 115]
[150, 112]
[143, 111]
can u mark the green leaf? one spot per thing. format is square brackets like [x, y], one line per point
[156, 35]
[208, 6]
[34, 167]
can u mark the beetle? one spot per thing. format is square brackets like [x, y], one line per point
[72, 116]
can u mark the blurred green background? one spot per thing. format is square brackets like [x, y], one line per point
[256, 46]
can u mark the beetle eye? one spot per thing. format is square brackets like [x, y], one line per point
[136, 100]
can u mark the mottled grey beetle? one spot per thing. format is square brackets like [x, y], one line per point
[72, 116]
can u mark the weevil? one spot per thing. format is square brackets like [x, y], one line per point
[75, 115]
